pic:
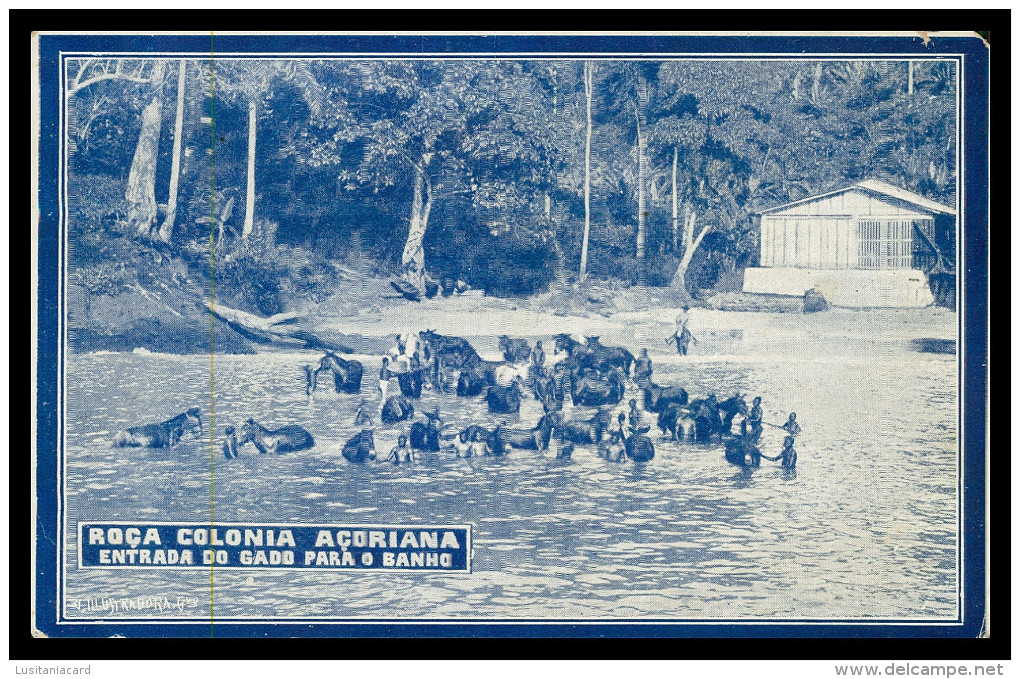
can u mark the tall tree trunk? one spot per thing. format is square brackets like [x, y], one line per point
[141, 188]
[642, 107]
[587, 169]
[676, 213]
[249, 196]
[691, 243]
[166, 231]
[413, 257]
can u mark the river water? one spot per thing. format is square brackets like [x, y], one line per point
[866, 528]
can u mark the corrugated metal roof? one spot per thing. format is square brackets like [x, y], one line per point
[879, 187]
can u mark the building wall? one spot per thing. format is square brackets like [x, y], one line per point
[827, 233]
[808, 241]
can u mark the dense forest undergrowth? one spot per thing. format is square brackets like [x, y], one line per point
[306, 185]
[154, 298]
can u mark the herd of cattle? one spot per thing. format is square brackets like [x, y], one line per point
[589, 374]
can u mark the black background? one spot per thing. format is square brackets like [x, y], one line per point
[994, 25]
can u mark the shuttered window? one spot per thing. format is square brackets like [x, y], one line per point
[884, 243]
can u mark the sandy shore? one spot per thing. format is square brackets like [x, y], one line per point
[718, 333]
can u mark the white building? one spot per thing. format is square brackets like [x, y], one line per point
[867, 245]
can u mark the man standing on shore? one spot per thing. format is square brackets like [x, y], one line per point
[681, 334]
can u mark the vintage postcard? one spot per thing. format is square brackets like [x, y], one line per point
[651, 334]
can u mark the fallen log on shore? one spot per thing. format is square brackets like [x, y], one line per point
[284, 330]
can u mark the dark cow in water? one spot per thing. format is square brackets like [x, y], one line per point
[712, 418]
[346, 374]
[425, 435]
[162, 435]
[474, 378]
[592, 390]
[505, 399]
[607, 357]
[397, 409]
[741, 451]
[286, 439]
[676, 421]
[411, 382]
[474, 432]
[536, 438]
[658, 397]
[728, 409]
[514, 350]
[360, 448]
[454, 352]
[579, 356]
[623, 442]
[583, 431]
[593, 354]
[497, 440]
[639, 447]
[471, 382]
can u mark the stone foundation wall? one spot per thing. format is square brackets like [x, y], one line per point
[845, 287]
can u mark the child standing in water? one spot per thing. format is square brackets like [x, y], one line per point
[634, 416]
[791, 426]
[479, 447]
[363, 417]
[462, 444]
[754, 419]
[230, 444]
[402, 452]
[537, 359]
[789, 455]
[616, 447]
[384, 380]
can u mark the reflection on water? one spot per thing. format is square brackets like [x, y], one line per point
[866, 527]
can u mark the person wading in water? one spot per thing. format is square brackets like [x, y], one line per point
[479, 446]
[634, 416]
[643, 369]
[363, 417]
[754, 419]
[788, 456]
[791, 426]
[462, 444]
[642, 375]
[538, 359]
[402, 452]
[616, 447]
[384, 380]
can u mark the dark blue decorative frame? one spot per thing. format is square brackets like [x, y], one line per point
[973, 317]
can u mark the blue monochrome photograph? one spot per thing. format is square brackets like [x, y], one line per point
[388, 335]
